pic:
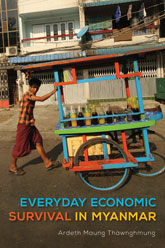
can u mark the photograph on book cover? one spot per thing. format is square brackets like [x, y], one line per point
[82, 100]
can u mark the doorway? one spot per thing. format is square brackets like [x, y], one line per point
[13, 87]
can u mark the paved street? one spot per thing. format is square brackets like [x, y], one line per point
[60, 183]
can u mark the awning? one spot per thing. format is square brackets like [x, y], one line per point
[89, 56]
[128, 50]
[47, 57]
[110, 2]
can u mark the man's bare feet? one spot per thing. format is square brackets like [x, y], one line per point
[13, 167]
[17, 172]
[48, 164]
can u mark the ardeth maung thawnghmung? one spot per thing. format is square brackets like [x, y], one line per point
[94, 202]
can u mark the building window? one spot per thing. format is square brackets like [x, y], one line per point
[14, 38]
[3, 4]
[48, 32]
[5, 38]
[11, 4]
[63, 31]
[1, 43]
[0, 23]
[12, 20]
[4, 16]
[8, 24]
[55, 31]
[70, 28]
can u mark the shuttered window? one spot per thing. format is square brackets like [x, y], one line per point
[50, 30]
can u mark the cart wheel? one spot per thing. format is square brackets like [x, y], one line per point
[110, 179]
[157, 144]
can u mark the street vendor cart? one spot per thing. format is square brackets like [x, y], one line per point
[101, 158]
[104, 154]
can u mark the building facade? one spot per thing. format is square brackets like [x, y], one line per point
[9, 46]
[48, 31]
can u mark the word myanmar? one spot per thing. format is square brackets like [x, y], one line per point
[113, 216]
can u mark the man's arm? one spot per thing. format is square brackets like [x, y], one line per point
[42, 98]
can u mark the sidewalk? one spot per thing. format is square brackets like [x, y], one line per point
[46, 120]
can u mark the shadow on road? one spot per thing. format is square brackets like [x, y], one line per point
[52, 155]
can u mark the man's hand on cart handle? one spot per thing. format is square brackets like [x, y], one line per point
[53, 91]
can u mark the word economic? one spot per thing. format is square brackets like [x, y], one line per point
[94, 202]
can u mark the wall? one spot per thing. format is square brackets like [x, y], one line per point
[109, 89]
[112, 89]
[44, 5]
[47, 85]
[48, 16]
[74, 94]
[44, 89]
